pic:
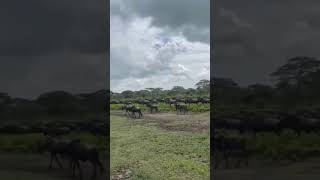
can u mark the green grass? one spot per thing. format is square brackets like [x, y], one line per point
[26, 142]
[152, 153]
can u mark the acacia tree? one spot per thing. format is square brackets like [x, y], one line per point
[203, 86]
[294, 74]
[294, 71]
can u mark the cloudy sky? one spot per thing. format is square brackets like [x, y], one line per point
[159, 43]
[53, 45]
[252, 38]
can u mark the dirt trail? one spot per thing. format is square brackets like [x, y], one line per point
[20, 166]
[173, 122]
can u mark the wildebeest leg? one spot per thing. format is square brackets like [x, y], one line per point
[94, 174]
[70, 163]
[73, 163]
[58, 162]
[247, 158]
[100, 165]
[226, 159]
[216, 160]
[238, 162]
[51, 160]
[80, 170]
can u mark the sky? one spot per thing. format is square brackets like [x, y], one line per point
[253, 38]
[63, 45]
[159, 43]
[53, 45]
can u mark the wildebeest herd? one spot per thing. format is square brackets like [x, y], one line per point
[171, 101]
[180, 104]
[59, 146]
[251, 123]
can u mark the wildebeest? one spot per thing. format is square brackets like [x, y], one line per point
[84, 152]
[181, 108]
[55, 147]
[192, 100]
[204, 100]
[171, 101]
[299, 122]
[132, 110]
[230, 147]
[153, 108]
[269, 122]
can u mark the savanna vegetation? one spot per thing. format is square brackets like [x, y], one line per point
[161, 144]
[39, 127]
[280, 121]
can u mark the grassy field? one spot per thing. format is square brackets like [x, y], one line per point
[31, 166]
[267, 170]
[27, 142]
[20, 161]
[149, 149]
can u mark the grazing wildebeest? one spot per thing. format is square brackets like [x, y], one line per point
[143, 101]
[153, 108]
[84, 152]
[171, 101]
[192, 100]
[133, 110]
[299, 122]
[181, 108]
[230, 147]
[204, 100]
[55, 147]
[127, 108]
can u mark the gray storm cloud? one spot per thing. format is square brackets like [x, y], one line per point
[53, 45]
[253, 38]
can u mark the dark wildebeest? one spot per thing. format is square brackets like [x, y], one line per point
[299, 122]
[204, 100]
[153, 108]
[84, 152]
[134, 109]
[171, 101]
[127, 108]
[230, 147]
[192, 100]
[181, 108]
[55, 147]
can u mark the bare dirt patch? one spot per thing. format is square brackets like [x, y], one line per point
[173, 122]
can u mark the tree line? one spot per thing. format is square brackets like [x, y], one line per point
[295, 84]
[202, 89]
[54, 103]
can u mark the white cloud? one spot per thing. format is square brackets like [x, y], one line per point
[143, 56]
